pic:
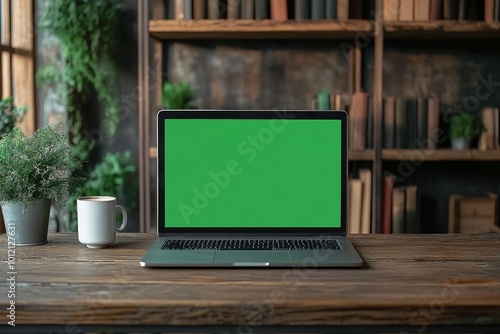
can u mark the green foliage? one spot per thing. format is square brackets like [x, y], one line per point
[178, 96]
[9, 115]
[36, 167]
[87, 31]
[465, 125]
[110, 177]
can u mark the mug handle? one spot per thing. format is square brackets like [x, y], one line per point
[124, 219]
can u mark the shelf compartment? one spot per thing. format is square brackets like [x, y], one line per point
[442, 29]
[366, 155]
[440, 155]
[257, 29]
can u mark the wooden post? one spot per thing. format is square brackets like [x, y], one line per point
[377, 117]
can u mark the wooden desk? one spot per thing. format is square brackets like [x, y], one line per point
[409, 283]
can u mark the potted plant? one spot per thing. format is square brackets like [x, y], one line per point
[34, 170]
[178, 96]
[10, 115]
[463, 128]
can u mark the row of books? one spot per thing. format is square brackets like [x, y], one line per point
[400, 207]
[427, 10]
[411, 123]
[280, 10]
[359, 203]
[359, 106]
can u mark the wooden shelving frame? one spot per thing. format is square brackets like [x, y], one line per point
[162, 30]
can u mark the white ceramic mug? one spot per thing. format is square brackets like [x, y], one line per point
[97, 220]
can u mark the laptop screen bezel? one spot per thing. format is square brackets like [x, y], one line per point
[248, 114]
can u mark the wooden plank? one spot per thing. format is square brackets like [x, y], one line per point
[440, 155]
[241, 29]
[441, 29]
[378, 84]
[69, 283]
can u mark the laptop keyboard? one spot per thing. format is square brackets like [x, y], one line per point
[249, 244]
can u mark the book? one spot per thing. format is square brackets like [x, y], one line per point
[411, 117]
[486, 139]
[474, 10]
[389, 114]
[358, 116]
[342, 10]
[279, 10]
[496, 120]
[358, 55]
[247, 9]
[365, 175]
[412, 222]
[406, 10]
[451, 9]
[261, 9]
[391, 10]
[331, 10]
[435, 10]
[489, 10]
[233, 9]
[356, 9]
[199, 9]
[387, 203]
[302, 9]
[462, 9]
[400, 124]
[422, 10]
[355, 200]
[369, 124]
[398, 209]
[422, 122]
[323, 99]
[432, 122]
[213, 9]
[318, 9]
[336, 102]
[179, 9]
[188, 9]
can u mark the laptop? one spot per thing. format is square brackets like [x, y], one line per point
[251, 189]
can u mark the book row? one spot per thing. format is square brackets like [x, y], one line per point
[279, 10]
[359, 107]
[411, 123]
[400, 208]
[359, 203]
[427, 10]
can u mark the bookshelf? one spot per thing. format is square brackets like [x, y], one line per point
[381, 32]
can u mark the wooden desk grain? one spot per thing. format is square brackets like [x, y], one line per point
[409, 280]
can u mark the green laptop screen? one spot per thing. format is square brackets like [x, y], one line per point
[229, 173]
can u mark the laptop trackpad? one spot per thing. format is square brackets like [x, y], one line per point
[252, 258]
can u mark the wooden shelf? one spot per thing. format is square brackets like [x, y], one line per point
[441, 155]
[256, 29]
[366, 155]
[441, 29]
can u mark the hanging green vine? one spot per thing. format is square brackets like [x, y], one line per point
[87, 32]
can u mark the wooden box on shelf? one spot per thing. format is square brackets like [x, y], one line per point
[473, 215]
